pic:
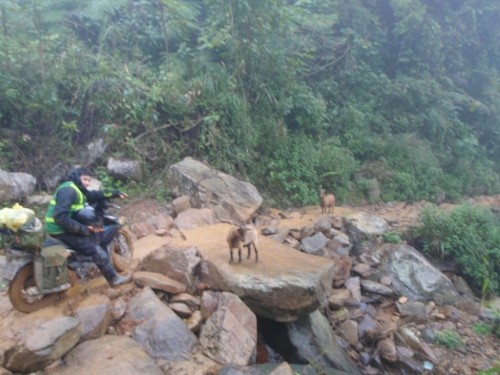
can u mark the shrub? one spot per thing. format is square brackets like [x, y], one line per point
[296, 166]
[448, 338]
[392, 237]
[470, 235]
[482, 328]
[491, 371]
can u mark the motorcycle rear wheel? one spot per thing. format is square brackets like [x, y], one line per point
[121, 251]
[23, 280]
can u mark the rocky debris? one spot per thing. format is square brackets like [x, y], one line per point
[397, 298]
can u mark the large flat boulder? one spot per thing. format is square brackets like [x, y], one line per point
[284, 285]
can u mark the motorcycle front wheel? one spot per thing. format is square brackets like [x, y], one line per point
[121, 251]
[19, 297]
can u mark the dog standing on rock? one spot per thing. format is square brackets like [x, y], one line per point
[243, 236]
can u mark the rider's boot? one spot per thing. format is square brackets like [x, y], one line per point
[121, 279]
[113, 278]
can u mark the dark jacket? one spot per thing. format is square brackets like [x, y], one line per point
[70, 197]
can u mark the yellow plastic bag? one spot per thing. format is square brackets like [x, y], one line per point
[15, 217]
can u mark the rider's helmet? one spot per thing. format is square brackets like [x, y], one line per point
[86, 215]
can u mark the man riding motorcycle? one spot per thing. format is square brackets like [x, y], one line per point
[69, 220]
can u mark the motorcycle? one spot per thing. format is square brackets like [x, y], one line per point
[39, 276]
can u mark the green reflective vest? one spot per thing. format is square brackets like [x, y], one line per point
[51, 227]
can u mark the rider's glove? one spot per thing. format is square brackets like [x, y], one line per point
[116, 194]
[84, 230]
[119, 194]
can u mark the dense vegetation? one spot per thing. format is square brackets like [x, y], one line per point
[471, 237]
[386, 99]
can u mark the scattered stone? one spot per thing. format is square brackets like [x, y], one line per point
[451, 312]
[269, 230]
[349, 329]
[195, 321]
[387, 350]
[415, 311]
[237, 342]
[354, 286]
[95, 315]
[180, 309]
[362, 269]
[283, 369]
[386, 280]
[374, 287]
[142, 229]
[342, 270]
[161, 232]
[192, 301]
[339, 298]
[158, 281]
[402, 299]
[108, 355]
[181, 203]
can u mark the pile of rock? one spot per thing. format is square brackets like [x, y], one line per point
[388, 301]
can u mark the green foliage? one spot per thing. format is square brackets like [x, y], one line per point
[449, 339]
[108, 182]
[296, 167]
[396, 100]
[482, 328]
[392, 237]
[290, 174]
[491, 371]
[471, 236]
[405, 167]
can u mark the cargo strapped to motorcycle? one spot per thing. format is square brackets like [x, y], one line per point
[51, 267]
[21, 228]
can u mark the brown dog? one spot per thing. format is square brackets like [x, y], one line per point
[243, 236]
